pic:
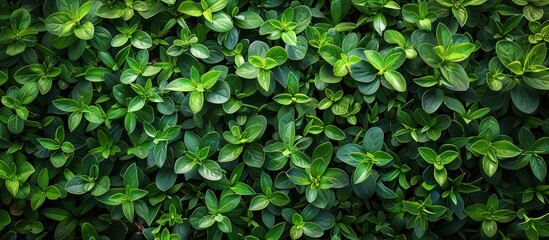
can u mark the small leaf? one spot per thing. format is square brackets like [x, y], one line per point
[396, 80]
[330, 53]
[259, 202]
[380, 23]
[489, 227]
[334, 132]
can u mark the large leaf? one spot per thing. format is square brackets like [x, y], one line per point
[455, 76]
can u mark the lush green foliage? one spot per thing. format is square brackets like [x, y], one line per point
[268, 119]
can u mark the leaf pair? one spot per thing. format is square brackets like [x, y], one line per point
[365, 157]
[67, 23]
[205, 86]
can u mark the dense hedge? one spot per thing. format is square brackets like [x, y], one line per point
[268, 119]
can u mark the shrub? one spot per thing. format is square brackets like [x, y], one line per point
[273, 119]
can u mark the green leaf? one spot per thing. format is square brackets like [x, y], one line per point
[298, 176]
[165, 179]
[427, 53]
[209, 79]
[220, 93]
[119, 40]
[394, 37]
[539, 167]
[65, 228]
[432, 99]
[196, 101]
[508, 52]
[334, 132]
[74, 120]
[375, 59]
[279, 199]
[180, 85]
[444, 36]
[15, 48]
[49, 144]
[230, 152]
[380, 23]
[56, 214]
[490, 167]
[66, 105]
[505, 149]
[60, 24]
[102, 185]
[248, 20]
[346, 151]
[302, 16]
[88, 232]
[440, 176]
[289, 38]
[330, 53]
[210, 170]
[489, 227]
[221, 22]
[190, 8]
[211, 201]
[532, 12]
[137, 194]
[83, 10]
[428, 154]
[340, 69]
[460, 52]
[283, 99]
[264, 79]
[298, 51]
[84, 31]
[525, 99]
[295, 232]
[76, 185]
[3, 77]
[337, 177]
[67, 147]
[537, 80]
[536, 56]
[396, 80]
[373, 139]
[128, 210]
[94, 115]
[460, 13]
[131, 177]
[312, 229]
[259, 202]
[247, 70]
[455, 76]
[480, 146]
[37, 200]
[43, 178]
[242, 189]
[12, 185]
[362, 172]
[5, 219]
[109, 12]
[278, 54]
[225, 225]
[448, 156]
[136, 104]
[141, 40]
[275, 232]
[20, 19]
[200, 51]
[183, 164]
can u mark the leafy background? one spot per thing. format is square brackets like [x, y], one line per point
[268, 119]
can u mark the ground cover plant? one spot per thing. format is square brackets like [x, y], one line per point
[274, 119]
